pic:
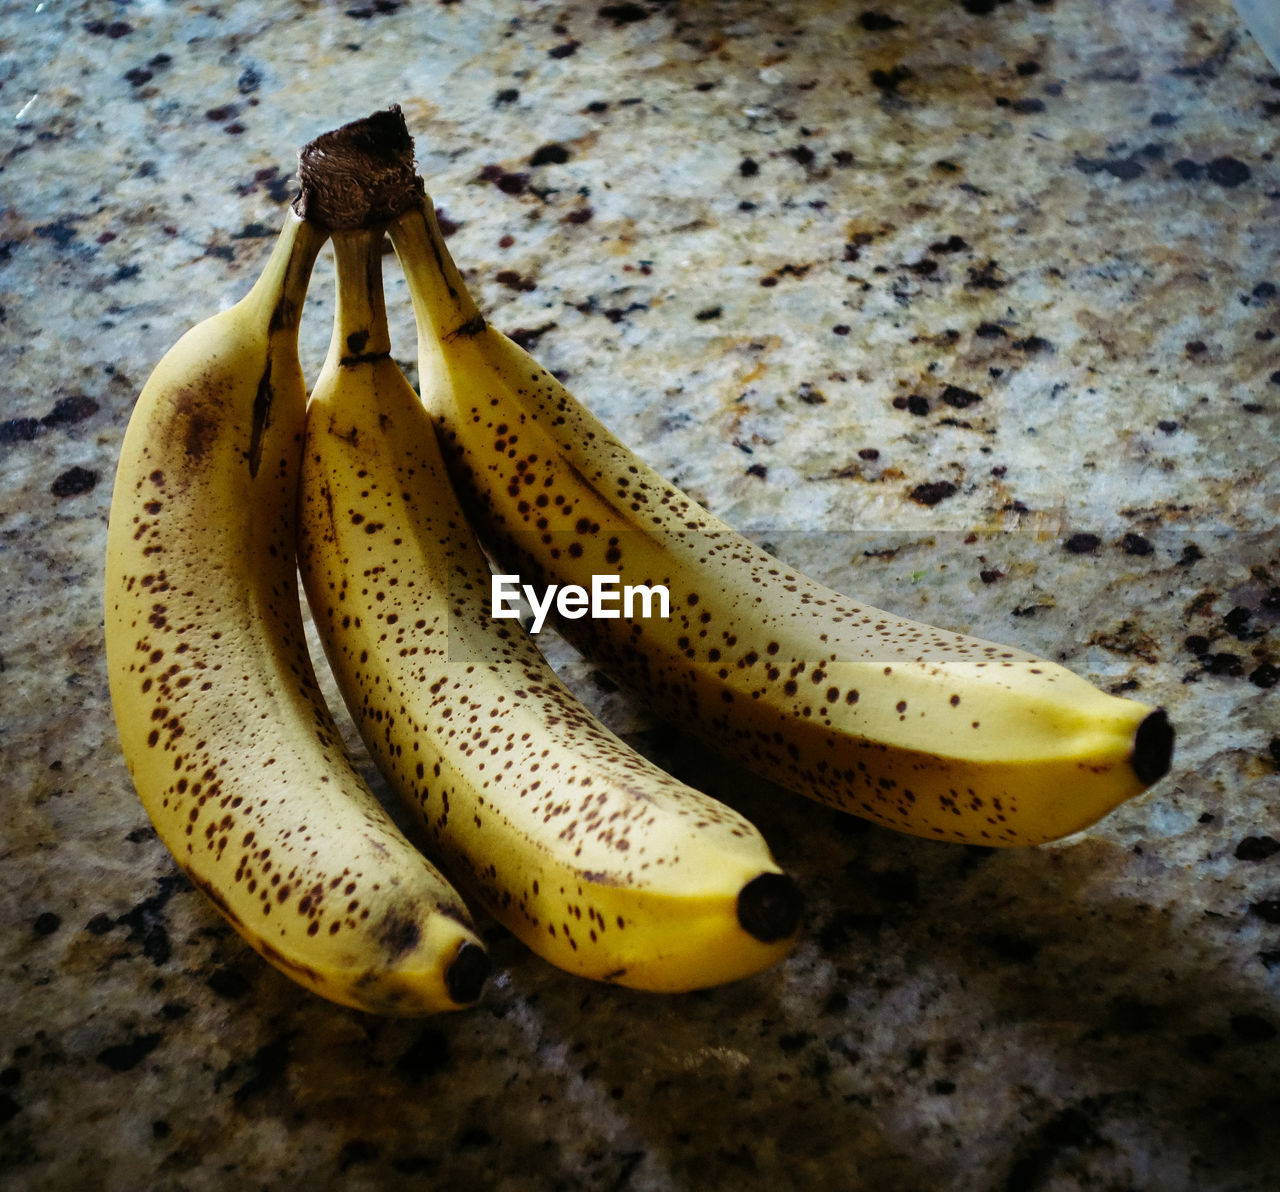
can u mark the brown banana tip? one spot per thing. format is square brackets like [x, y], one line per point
[769, 907]
[1152, 748]
[359, 175]
[466, 974]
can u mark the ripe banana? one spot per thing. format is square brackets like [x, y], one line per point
[926, 731]
[231, 747]
[598, 860]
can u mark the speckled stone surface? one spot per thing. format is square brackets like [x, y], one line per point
[967, 308]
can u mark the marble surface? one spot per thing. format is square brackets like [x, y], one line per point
[969, 308]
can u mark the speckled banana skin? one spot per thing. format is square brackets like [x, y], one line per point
[231, 747]
[923, 730]
[598, 860]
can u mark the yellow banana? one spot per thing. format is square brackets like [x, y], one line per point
[231, 747]
[926, 731]
[598, 860]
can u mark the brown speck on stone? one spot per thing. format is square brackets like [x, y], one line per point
[932, 492]
[1228, 171]
[1266, 909]
[984, 277]
[623, 14]
[1224, 663]
[878, 22]
[73, 482]
[890, 80]
[1252, 1028]
[1265, 675]
[959, 398]
[552, 154]
[512, 183]
[1257, 848]
[1082, 543]
[515, 281]
[527, 337]
[1135, 544]
[66, 410]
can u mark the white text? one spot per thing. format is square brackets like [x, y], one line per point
[607, 600]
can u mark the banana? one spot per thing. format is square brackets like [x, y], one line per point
[231, 747]
[926, 731]
[595, 858]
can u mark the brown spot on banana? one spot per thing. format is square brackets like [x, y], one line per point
[193, 421]
[261, 417]
[468, 330]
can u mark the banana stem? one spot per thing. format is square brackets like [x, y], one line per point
[361, 176]
[281, 288]
[275, 302]
[442, 306]
[360, 333]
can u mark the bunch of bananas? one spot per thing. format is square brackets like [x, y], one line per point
[391, 505]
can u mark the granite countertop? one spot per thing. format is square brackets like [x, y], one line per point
[967, 308]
